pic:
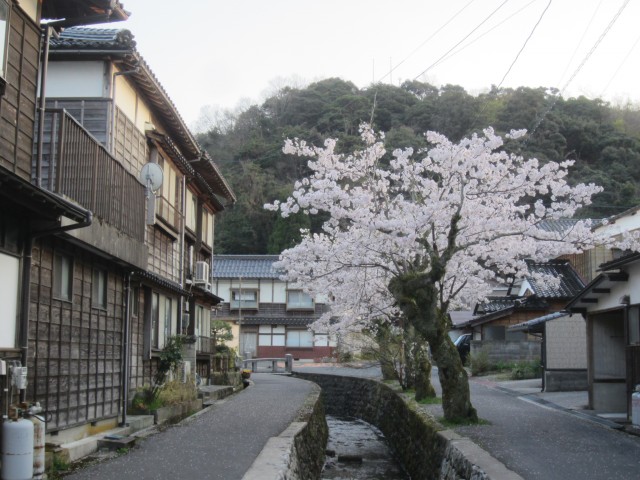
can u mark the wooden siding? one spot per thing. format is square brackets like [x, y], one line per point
[130, 144]
[163, 253]
[17, 106]
[93, 114]
[76, 165]
[75, 350]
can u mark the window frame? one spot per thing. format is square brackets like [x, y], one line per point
[59, 280]
[291, 332]
[99, 286]
[300, 306]
[239, 304]
[4, 45]
[272, 336]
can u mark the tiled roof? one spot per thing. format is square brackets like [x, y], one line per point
[291, 321]
[245, 266]
[570, 283]
[558, 225]
[494, 304]
[535, 324]
[65, 13]
[120, 43]
[94, 39]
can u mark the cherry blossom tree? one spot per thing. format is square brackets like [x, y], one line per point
[426, 232]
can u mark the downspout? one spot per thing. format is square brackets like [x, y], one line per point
[41, 104]
[125, 349]
[183, 201]
[25, 296]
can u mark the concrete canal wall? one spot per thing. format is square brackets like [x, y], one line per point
[425, 450]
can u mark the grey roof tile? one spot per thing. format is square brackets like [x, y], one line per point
[245, 266]
[570, 282]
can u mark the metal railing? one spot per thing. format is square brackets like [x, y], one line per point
[272, 362]
[76, 165]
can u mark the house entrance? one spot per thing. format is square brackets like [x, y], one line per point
[248, 343]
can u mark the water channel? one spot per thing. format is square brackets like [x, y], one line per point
[357, 450]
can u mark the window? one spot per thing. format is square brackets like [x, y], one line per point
[298, 300]
[9, 281]
[134, 301]
[62, 277]
[207, 227]
[244, 299]
[163, 314]
[99, 293]
[271, 335]
[4, 37]
[192, 211]
[300, 338]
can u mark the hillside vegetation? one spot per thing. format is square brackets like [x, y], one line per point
[603, 140]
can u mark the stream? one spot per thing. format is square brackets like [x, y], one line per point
[357, 450]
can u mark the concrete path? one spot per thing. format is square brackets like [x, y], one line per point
[548, 441]
[221, 443]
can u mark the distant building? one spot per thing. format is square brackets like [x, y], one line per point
[271, 317]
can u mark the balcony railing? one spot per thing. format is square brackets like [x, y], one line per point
[168, 213]
[75, 164]
[204, 345]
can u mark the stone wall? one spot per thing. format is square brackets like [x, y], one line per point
[425, 451]
[508, 350]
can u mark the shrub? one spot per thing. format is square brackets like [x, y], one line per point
[479, 362]
[525, 370]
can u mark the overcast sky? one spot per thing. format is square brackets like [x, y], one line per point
[220, 53]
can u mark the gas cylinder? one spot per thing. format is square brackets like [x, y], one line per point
[39, 428]
[17, 449]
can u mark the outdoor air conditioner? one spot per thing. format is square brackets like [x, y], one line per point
[202, 273]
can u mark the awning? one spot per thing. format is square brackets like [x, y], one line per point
[536, 325]
[289, 321]
[44, 204]
[161, 282]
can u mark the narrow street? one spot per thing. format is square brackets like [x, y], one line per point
[542, 443]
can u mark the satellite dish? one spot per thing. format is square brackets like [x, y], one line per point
[151, 176]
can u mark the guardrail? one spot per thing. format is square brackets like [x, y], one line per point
[288, 363]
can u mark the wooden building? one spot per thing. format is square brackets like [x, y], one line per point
[32, 216]
[104, 298]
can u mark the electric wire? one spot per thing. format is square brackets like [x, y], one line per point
[413, 52]
[525, 44]
[584, 34]
[577, 70]
[624, 60]
[462, 40]
[474, 40]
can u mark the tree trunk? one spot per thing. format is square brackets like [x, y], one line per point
[417, 297]
[424, 388]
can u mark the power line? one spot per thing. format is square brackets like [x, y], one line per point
[455, 15]
[584, 33]
[463, 39]
[464, 47]
[525, 44]
[577, 70]
[624, 60]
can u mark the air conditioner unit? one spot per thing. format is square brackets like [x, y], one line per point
[202, 273]
[209, 288]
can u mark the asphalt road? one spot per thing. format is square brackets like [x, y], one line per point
[221, 443]
[541, 443]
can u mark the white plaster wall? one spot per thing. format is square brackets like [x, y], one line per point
[566, 342]
[9, 281]
[618, 290]
[131, 104]
[76, 80]
[624, 224]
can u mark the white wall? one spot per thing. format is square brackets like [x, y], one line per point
[566, 343]
[76, 80]
[9, 281]
[626, 223]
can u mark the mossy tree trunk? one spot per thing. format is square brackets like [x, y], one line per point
[417, 297]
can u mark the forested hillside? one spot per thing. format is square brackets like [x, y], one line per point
[602, 139]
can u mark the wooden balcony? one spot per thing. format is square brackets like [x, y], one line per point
[76, 165]
[205, 345]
